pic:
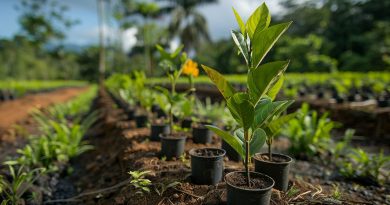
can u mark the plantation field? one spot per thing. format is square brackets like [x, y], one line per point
[311, 78]
[196, 136]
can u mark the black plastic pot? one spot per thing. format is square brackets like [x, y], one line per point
[248, 196]
[141, 120]
[130, 113]
[161, 113]
[230, 152]
[186, 123]
[320, 95]
[155, 108]
[172, 146]
[201, 135]
[278, 169]
[339, 100]
[382, 103]
[207, 165]
[156, 130]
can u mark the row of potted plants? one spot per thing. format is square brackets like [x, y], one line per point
[256, 115]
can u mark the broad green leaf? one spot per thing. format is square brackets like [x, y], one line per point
[265, 110]
[176, 52]
[264, 40]
[240, 22]
[275, 88]
[239, 40]
[241, 109]
[257, 142]
[222, 84]
[258, 21]
[261, 78]
[233, 141]
[239, 133]
[163, 53]
[277, 124]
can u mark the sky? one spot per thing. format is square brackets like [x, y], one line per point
[219, 16]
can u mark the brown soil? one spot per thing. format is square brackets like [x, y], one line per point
[15, 122]
[256, 181]
[208, 152]
[175, 135]
[275, 158]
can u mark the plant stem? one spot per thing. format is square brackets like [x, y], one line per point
[247, 158]
[269, 152]
[171, 108]
[269, 143]
[170, 120]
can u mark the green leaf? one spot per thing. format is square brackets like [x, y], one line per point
[232, 140]
[261, 78]
[276, 125]
[240, 134]
[239, 40]
[177, 51]
[257, 142]
[241, 109]
[258, 21]
[240, 22]
[264, 40]
[222, 84]
[265, 110]
[275, 88]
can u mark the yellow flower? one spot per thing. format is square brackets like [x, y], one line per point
[191, 68]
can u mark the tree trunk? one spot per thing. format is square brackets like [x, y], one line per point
[102, 67]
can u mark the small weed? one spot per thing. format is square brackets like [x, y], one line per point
[161, 188]
[183, 158]
[21, 179]
[359, 163]
[336, 194]
[139, 182]
[293, 191]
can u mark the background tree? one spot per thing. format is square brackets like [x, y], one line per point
[354, 32]
[43, 20]
[187, 23]
[140, 14]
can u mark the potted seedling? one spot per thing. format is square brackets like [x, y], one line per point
[144, 98]
[172, 144]
[275, 165]
[159, 123]
[146, 102]
[263, 83]
[206, 114]
[206, 164]
[190, 69]
[126, 102]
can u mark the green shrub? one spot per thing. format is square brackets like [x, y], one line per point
[21, 180]
[358, 164]
[309, 133]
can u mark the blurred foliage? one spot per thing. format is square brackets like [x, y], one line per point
[356, 32]
[327, 36]
[43, 20]
[306, 54]
[187, 23]
[221, 54]
[22, 60]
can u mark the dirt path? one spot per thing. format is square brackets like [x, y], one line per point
[13, 111]
[15, 123]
